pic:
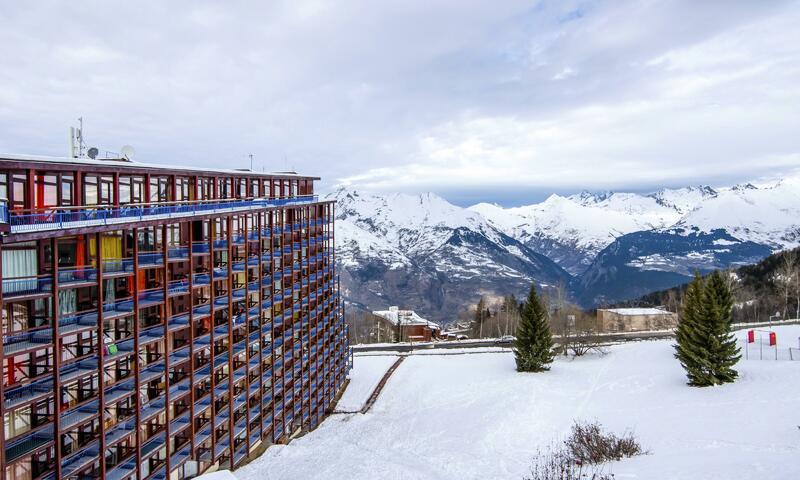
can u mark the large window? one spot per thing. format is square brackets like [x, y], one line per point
[225, 188]
[159, 189]
[183, 189]
[98, 189]
[131, 189]
[205, 188]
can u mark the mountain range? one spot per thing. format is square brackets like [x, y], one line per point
[424, 253]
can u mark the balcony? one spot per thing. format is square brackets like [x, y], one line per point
[80, 217]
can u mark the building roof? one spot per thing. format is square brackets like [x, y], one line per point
[405, 318]
[637, 311]
[116, 163]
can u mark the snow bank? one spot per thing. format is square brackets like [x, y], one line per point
[473, 417]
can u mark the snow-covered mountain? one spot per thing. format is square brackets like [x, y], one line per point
[573, 230]
[423, 253]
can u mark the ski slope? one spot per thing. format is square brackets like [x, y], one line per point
[473, 417]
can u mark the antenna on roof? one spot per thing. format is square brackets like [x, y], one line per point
[76, 140]
[251, 161]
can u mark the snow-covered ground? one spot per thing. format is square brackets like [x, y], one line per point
[370, 371]
[473, 417]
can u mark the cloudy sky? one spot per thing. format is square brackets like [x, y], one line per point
[501, 101]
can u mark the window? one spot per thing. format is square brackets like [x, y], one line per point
[243, 188]
[19, 191]
[183, 189]
[3, 186]
[205, 188]
[225, 188]
[131, 189]
[46, 190]
[159, 189]
[98, 189]
[67, 189]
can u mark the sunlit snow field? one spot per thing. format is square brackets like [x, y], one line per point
[473, 417]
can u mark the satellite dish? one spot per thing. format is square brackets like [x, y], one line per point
[128, 152]
[92, 152]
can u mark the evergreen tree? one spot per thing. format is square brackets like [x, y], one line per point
[717, 311]
[533, 348]
[705, 346]
[691, 335]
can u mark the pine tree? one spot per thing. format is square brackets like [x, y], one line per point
[705, 346]
[692, 336]
[717, 311]
[533, 348]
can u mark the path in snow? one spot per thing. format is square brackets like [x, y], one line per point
[474, 417]
[367, 375]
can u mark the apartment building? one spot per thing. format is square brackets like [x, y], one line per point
[161, 321]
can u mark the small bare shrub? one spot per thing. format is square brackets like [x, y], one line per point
[583, 455]
[557, 464]
[583, 343]
[587, 443]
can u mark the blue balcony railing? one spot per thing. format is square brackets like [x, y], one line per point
[109, 215]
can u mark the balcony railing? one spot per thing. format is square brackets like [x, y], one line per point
[74, 217]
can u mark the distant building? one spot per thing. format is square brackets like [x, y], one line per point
[405, 325]
[635, 319]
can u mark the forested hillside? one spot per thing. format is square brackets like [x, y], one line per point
[769, 289]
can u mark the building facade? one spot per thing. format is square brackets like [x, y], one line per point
[159, 322]
[635, 319]
[405, 326]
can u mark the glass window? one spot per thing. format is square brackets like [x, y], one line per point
[98, 189]
[46, 190]
[19, 191]
[205, 188]
[3, 186]
[182, 189]
[90, 193]
[159, 189]
[67, 189]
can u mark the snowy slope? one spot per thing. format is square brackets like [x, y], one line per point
[474, 417]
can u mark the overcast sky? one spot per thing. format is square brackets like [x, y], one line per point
[478, 100]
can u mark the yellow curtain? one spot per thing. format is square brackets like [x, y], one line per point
[111, 245]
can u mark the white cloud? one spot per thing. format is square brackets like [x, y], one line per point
[416, 94]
